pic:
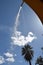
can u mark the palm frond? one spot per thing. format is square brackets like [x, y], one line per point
[27, 52]
[39, 60]
[23, 51]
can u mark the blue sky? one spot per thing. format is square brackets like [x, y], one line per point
[28, 22]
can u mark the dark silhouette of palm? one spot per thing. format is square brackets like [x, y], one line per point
[39, 61]
[27, 52]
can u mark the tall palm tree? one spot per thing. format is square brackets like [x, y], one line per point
[39, 61]
[27, 52]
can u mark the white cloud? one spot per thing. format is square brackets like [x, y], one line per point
[8, 54]
[30, 33]
[2, 60]
[10, 59]
[21, 40]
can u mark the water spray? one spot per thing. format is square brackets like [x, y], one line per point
[17, 19]
[16, 33]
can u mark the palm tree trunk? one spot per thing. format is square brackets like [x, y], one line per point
[30, 62]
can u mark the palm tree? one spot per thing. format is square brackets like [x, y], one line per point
[39, 61]
[27, 52]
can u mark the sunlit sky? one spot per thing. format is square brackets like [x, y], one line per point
[28, 22]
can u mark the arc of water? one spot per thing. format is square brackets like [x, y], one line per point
[17, 22]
